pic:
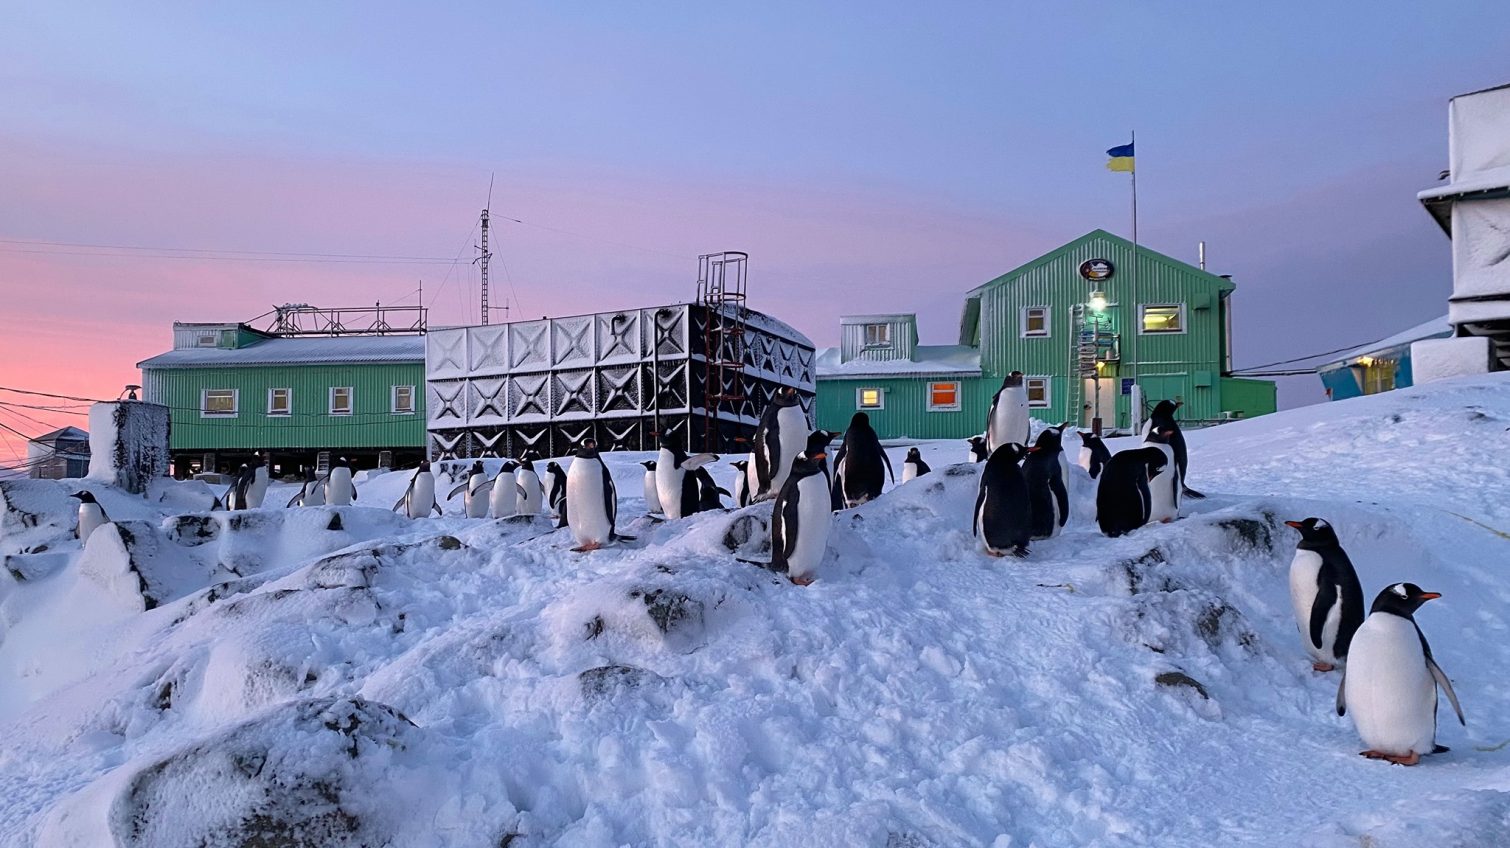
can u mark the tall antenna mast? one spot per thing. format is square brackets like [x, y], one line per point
[483, 254]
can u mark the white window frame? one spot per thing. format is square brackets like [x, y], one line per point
[1048, 391]
[204, 404]
[1143, 325]
[393, 401]
[954, 407]
[885, 335]
[860, 397]
[211, 336]
[1048, 325]
[288, 411]
[351, 400]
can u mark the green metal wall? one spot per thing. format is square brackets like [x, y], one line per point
[906, 414]
[372, 424]
[1185, 365]
[1248, 397]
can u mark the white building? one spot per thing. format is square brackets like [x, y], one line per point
[1474, 209]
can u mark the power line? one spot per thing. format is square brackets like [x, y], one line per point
[1311, 356]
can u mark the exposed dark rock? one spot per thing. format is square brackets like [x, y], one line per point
[749, 534]
[449, 543]
[961, 470]
[1220, 620]
[895, 839]
[1140, 576]
[671, 610]
[1251, 532]
[335, 522]
[1180, 678]
[595, 627]
[193, 530]
[605, 682]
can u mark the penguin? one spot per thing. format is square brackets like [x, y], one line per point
[978, 451]
[1162, 418]
[1003, 515]
[708, 491]
[339, 490]
[1093, 454]
[476, 487]
[913, 466]
[231, 499]
[592, 502]
[555, 489]
[419, 498]
[1122, 495]
[91, 514]
[817, 450]
[504, 500]
[1325, 593]
[741, 482]
[781, 435]
[1007, 422]
[1390, 680]
[312, 493]
[800, 521]
[251, 484]
[527, 481]
[652, 495]
[1048, 494]
[675, 487]
[857, 466]
[1164, 489]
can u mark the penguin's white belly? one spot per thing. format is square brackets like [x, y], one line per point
[1085, 459]
[422, 496]
[1164, 489]
[585, 511]
[1303, 589]
[794, 433]
[533, 494]
[257, 491]
[1388, 690]
[652, 491]
[909, 472]
[477, 504]
[814, 517]
[504, 499]
[338, 488]
[90, 518]
[668, 484]
[1010, 424]
[314, 495]
[740, 481]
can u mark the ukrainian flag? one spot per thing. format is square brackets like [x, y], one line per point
[1121, 158]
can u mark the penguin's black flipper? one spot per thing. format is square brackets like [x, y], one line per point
[980, 500]
[1192, 493]
[296, 498]
[1442, 681]
[438, 511]
[1321, 607]
[1341, 701]
[888, 467]
[456, 491]
[1440, 749]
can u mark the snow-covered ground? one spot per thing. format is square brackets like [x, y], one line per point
[343, 676]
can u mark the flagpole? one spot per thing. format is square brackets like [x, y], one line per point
[1135, 416]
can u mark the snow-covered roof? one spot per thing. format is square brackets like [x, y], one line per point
[930, 359]
[1434, 328]
[67, 434]
[1494, 178]
[300, 351]
[878, 318]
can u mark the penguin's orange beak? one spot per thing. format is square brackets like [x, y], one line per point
[1429, 596]
[1296, 524]
[819, 455]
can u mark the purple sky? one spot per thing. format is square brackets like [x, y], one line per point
[869, 156]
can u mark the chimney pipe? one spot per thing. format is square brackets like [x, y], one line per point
[1203, 255]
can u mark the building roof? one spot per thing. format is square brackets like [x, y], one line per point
[67, 434]
[1435, 328]
[878, 318]
[961, 360]
[1144, 252]
[298, 351]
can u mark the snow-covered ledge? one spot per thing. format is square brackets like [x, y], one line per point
[128, 443]
[1438, 359]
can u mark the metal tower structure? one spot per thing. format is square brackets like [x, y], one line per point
[482, 260]
[721, 281]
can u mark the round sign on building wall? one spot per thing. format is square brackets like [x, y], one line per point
[1097, 270]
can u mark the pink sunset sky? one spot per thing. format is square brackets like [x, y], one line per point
[868, 158]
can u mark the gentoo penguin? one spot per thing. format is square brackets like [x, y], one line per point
[91, 514]
[555, 486]
[800, 521]
[419, 498]
[858, 474]
[231, 499]
[592, 502]
[1390, 680]
[1162, 418]
[1008, 423]
[339, 490]
[251, 484]
[504, 499]
[652, 494]
[913, 466]
[531, 493]
[817, 451]
[1164, 489]
[1122, 496]
[1003, 515]
[978, 451]
[741, 482]
[1093, 454]
[781, 435]
[1047, 493]
[312, 493]
[708, 491]
[676, 487]
[1325, 592]
[476, 487]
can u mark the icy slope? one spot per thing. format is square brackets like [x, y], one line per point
[454, 682]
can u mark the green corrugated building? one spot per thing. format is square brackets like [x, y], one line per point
[1086, 323]
[233, 389]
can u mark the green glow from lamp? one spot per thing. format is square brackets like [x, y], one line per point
[1098, 301]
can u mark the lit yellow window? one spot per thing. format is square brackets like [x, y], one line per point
[1164, 319]
[870, 398]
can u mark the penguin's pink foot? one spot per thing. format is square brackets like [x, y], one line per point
[1321, 666]
[997, 554]
[1408, 760]
[590, 546]
[1166, 521]
[805, 580]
